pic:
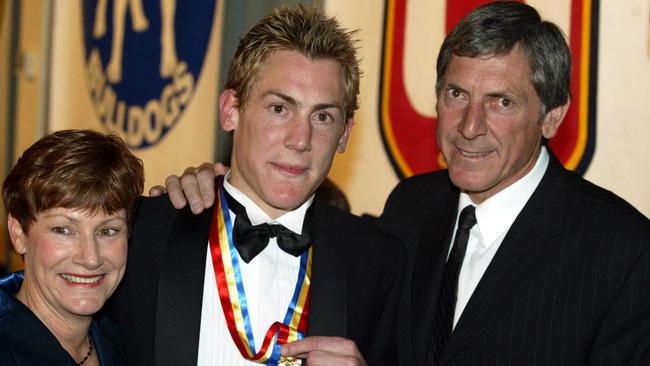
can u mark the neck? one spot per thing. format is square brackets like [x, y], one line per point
[70, 330]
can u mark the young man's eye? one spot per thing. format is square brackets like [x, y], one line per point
[278, 108]
[323, 117]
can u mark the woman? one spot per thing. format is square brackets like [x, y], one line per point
[70, 200]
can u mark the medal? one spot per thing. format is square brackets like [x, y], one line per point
[225, 262]
[289, 361]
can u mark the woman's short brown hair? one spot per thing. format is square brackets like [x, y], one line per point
[80, 169]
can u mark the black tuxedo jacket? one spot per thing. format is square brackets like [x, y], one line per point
[356, 269]
[569, 285]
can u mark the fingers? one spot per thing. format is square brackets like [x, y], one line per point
[325, 351]
[219, 169]
[195, 186]
[205, 179]
[188, 184]
[175, 191]
[330, 344]
[156, 191]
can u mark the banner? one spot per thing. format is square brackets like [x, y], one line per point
[146, 70]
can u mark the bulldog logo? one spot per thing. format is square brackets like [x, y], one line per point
[402, 125]
[143, 59]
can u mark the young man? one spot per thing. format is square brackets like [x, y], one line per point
[512, 259]
[267, 265]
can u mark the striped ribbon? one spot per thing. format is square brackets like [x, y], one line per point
[233, 297]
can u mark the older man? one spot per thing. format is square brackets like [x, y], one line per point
[513, 259]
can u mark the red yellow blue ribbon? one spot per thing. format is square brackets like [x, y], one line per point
[230, 286]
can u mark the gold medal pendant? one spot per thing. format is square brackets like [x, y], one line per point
[289, 361]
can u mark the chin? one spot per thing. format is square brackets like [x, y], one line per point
[288, 199]
[468, 181]
[86, 307]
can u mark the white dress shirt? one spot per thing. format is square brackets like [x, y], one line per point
[494, 217]
[269, 282]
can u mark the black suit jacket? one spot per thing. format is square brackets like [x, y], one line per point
[354, 294]
[569, 285]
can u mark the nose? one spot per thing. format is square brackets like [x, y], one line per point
[298, 135]
[87, 253]
[473, 123]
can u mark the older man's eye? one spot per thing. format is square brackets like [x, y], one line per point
[455, 93]
[505, 102]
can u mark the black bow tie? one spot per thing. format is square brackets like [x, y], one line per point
[251, 239]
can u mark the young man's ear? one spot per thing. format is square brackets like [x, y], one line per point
[553, 120]
[343, 141]
[16, 234]
[229, 110]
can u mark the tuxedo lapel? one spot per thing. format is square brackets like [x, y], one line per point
[428, 271]
[526, 248]
[328, 301]
[180, 289]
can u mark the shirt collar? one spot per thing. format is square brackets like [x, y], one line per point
[496, 214]
[292, 220]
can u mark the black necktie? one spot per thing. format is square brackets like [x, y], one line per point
[444, 319]
[251, 239]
